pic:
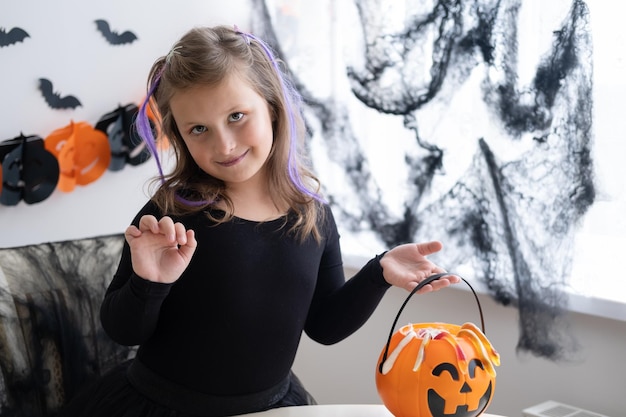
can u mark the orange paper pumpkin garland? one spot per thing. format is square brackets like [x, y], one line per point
[437, 369]
[83, 153]
[31, 168]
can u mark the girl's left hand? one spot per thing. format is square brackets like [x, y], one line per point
[406, 265]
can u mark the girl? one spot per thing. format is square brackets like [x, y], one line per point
[236, 254]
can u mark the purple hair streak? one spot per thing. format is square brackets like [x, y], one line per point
[292, 99]
[145, 132]
[143, 124]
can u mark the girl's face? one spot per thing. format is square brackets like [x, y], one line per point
[228, 130]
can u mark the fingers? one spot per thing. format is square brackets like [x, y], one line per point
[132, 232]
[428, 248]
[173, 232]
[148, 223]
[425, 289]
[188, 248]
[435, 285]
[179, 235]
[441, 283]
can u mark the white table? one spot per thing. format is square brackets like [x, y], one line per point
[333, 410]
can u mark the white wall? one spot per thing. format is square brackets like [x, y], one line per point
[595, 378]
[64, 46]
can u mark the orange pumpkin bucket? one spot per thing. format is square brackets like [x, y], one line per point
[437, 369]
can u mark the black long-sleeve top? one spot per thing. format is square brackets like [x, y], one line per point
[232, 323]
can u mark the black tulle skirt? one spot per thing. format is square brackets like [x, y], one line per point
[116, 394]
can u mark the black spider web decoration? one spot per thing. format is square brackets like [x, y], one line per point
[511, 220]
[53, 343]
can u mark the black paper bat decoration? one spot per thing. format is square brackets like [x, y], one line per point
[29, 171]
[13, 36]
[55, 100]
[126, 145]
[114, 38]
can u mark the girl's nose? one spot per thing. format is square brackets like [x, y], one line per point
[225, 142]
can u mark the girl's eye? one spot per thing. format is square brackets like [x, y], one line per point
[197, 130]
[235, 117]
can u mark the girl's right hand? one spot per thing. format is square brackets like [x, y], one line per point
[160, 249]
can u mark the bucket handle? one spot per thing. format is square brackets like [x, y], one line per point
[416, 289]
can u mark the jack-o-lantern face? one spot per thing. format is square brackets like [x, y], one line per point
[437, 370]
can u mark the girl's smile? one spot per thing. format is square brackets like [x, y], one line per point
[233, 161]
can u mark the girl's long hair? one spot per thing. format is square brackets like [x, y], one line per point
[206, 56]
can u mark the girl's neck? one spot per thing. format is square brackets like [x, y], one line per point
[255, 204]
[257, 210]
